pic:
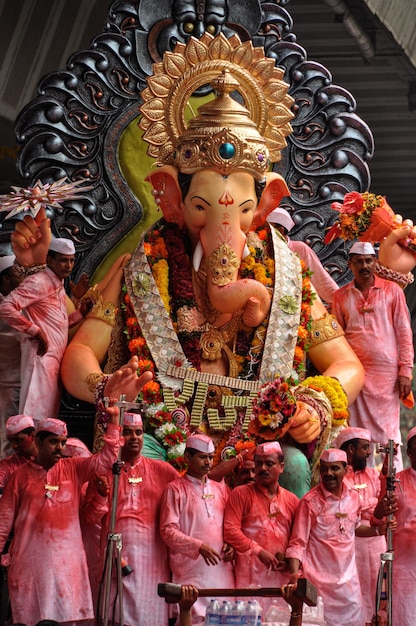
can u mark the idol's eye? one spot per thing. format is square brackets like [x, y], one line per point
[189, 27]
[211, 29]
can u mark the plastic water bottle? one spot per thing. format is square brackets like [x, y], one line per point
[236, 615]
[259, 612]
[212, 614]
[225, 611]
[320, 607]
[250, 614]
[278, 613]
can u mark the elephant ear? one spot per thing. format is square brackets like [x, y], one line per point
[167, 193]
[275, 190]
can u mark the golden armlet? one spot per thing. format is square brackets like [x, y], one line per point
[105, 311]
[324, 329]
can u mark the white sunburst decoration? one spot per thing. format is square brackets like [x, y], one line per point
[31, 200]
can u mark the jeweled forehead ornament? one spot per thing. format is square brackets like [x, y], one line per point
[224, 135]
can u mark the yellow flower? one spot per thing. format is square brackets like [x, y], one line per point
[248, 263]
[264, 419]
[269, 263]
[260, 275]
[161, 276]
[333, 390]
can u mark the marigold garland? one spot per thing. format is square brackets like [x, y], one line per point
[336, 395]
[243, 445]
[305, 322]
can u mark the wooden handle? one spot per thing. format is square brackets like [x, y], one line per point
[305, 591]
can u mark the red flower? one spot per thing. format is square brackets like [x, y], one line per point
[333, 233]
[353, 203]
[172, 439]
[183, 283]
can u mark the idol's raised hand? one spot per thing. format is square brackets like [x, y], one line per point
[31, 239]
[396, 251]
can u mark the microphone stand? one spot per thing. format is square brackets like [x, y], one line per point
[387, 558]
[114, 539]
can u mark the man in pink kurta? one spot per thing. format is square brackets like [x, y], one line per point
[20, 432]
[48, 577]
[142, 481]
[323, 541]
[191, 524]
[374, 315]
[93, 508]
[44, 329]
[258, 523]
[404, 572]
[322, 281]
[366, 482]
[10, 346]
[91, 515]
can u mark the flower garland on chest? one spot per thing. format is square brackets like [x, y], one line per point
[168, 251]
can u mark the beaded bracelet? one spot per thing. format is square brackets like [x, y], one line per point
[403, 280]
[317, 406]
[101, 413]
[23, 271]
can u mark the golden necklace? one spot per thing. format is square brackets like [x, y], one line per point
[215, 341]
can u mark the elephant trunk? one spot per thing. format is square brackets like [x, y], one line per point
[244, 294]
[226, 292]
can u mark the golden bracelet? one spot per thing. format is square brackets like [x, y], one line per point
[93, 379]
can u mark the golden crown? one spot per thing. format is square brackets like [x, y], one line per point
[209, 141]
[224, 135]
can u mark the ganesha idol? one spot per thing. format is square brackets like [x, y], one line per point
[212, 301]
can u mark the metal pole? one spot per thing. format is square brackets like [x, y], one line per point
[387, 558]
[114, 539]
[390, 487]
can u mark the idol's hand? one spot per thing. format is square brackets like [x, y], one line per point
[31, 239]
[126, 381]
[394, 252]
